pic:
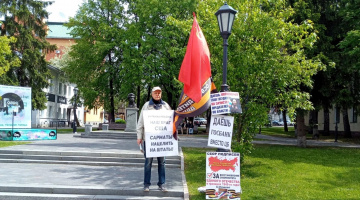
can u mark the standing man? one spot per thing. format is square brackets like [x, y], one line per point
[155, 103]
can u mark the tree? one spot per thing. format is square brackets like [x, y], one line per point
[6, 58]
[133, 49]
[157, 44]
[326, 18]
[349, 95]
[98, 53]
[24, 21]
[337, 84]
[267, 64]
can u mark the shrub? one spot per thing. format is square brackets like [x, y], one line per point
[120, 121]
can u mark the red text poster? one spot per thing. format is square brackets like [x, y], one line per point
[223, 175]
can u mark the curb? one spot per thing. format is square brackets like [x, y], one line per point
[186, 190]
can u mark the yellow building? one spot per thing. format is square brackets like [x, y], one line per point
[94, 116]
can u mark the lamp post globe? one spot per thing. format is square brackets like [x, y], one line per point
[75, 104]
[225, 17]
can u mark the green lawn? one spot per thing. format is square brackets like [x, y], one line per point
[278, 131]
[70, 130]
[282, 172]
[12, 143]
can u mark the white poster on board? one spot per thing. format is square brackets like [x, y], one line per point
[225, 102]
[159, 140]
[15, 107]
[223, 175]
[220, 133]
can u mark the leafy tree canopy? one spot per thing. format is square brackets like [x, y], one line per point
[6, 58]
[24, 21]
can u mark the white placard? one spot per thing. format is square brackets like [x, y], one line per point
[159, 140]
[220, 133]
[223, 175]
[15, 106]
[225, 102]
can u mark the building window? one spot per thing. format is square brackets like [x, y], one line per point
[337, 114]
[51, 86]
[59, 113]
[354, 115]
[69, 91]
[65, 87]
[60, 88]
[50, 111]
[64, 113]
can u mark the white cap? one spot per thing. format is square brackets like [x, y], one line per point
[156, 88]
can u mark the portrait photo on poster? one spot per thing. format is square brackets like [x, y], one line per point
[235, 106]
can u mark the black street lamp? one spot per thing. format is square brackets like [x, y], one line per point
[225, 17]
[74, 123]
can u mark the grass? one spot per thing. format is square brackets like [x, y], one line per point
[283, 172]
[279, 131]
[12, 143]
[70, 130]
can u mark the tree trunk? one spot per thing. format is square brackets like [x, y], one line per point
[239, 129]
[347, 131]
[301, 128]
[112, 101]
[326, 122]
[77, 121]
[138, 97]
[284, 119]
[68, 116]
[148, 94]
[112, 104]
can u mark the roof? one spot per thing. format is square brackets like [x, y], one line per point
[51, 67]
[58, 30]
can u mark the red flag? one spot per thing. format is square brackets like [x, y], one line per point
[188, 108]
[195, 68]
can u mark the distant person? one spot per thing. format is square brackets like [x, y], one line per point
[155, 103]
[182, 125]
[190, 127]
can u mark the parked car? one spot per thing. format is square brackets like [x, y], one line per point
[277, 123]
[200, 121]
[289, 123]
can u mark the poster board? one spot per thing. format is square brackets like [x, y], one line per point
[159, 140]
[15, 99]
[220, 133]
[27, 134]
[223, 175]
[225, 102]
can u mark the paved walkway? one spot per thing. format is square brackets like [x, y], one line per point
[60, 177]
[116, 177]
[265, 139]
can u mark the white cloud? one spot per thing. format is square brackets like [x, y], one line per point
[61, 10]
